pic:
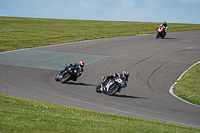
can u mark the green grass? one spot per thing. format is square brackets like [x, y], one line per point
[188, 86]
[24, 115]
[19, 33]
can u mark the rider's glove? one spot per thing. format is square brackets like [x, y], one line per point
[78, 75]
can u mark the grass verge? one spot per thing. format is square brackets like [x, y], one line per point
[188, 87]
[19, 33]
[24, 115]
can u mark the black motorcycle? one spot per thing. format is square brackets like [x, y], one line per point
[67, 75]
[110, 87]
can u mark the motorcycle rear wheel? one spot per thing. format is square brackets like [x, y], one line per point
[164, 34]
[65, 78]
[112, 90]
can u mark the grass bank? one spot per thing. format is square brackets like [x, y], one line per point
[24, 115]
[188, 87]
[19, 33]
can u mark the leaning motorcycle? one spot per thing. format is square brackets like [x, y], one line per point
[110, 87]
[66, 75]
[161, 32]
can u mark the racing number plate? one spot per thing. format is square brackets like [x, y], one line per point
[119, 80]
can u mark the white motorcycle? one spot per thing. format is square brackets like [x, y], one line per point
[111, 87]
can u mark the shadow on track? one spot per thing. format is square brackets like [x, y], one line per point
[125, 96]
[169, 38]
[73, 83]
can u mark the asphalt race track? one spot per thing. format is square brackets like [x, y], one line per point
[154, 65]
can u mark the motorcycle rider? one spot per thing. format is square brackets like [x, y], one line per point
[78, 67]
[165, 26]
[124, 76]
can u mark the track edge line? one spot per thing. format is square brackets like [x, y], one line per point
[172, 91]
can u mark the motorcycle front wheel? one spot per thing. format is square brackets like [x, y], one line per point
[57, 78]
[98, 90]
[158, 35]
[112, 90]
[66, 78]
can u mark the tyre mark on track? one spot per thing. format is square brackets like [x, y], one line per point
[140, 61]
[133, 64]
[151, 75]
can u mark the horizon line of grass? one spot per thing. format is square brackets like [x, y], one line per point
[20, 33]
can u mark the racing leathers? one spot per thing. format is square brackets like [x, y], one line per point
[165, 26]
[77, 68]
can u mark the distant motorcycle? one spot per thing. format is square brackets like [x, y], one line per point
[161, 32]
[110, 87]
[66, 75]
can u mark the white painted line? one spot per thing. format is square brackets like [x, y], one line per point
[143, 35]
[171, 88]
